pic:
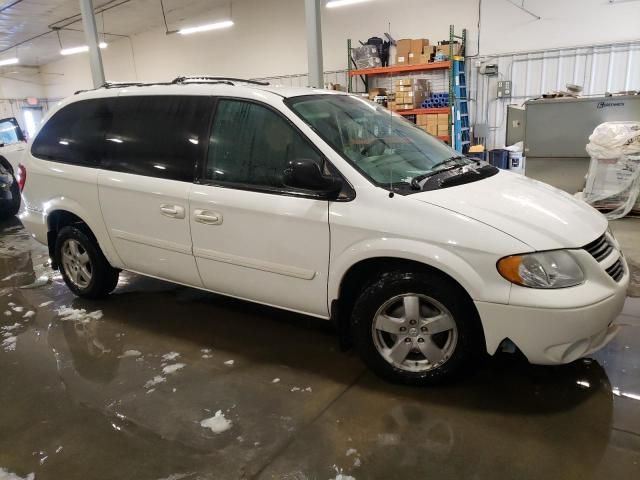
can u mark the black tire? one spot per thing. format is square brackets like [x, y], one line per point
[104, 277]
[10, 208]
[469, 346]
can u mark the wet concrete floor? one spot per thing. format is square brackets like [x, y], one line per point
[84, 396]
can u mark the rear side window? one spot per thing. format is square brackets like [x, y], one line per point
[157, 136]
[75, 133]
[252, 145]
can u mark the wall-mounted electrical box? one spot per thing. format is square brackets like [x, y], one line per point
[504, 89]
[489, 69]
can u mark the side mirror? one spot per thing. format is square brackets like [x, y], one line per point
[306, 174]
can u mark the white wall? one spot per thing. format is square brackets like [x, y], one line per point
[564, 23]
[268, 39]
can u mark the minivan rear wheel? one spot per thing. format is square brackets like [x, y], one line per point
[416, 328]
[84, 268]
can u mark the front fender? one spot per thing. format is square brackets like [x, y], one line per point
[481, 282]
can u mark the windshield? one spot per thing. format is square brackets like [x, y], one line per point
[10, 131]
[383, 146]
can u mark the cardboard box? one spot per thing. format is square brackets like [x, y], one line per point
[376, 92]
[421, 119]
[443, 129]
[455, 47]
[400, 82]
[443, 117]
[417, 45]
[403, 47]
[433, 130]
[431, 119]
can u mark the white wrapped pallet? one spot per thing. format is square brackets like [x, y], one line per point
[613, 181]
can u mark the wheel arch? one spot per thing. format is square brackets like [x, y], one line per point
[352, 273]
[60, 214]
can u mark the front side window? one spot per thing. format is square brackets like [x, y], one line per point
[10, 132]
[157, 135]
[384, 147]
[74, 134]
[253, 145]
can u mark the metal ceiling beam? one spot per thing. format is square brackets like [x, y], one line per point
[91, 34]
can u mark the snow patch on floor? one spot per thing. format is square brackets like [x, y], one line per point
[275, 380]
[205, 356]
[155, 381]
[301, 389]
[173, 368]
[7, 313]
[9, 344]
[13, 275]
[229, 363]
[351, 451]
[340, 475]
[168, 357]
[218, 423]
[45, 304]
[77, 314]
[130, 353]
[177, 476]
[29, 314]
[8, 328]
[17, 309]
[7, 475]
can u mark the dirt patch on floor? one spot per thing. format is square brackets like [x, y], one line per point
[634, 284]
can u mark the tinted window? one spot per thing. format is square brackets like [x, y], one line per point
[10, 131]
[250, 144]
[157, 136]
[75, 133]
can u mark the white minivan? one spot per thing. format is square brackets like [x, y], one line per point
[325, 204]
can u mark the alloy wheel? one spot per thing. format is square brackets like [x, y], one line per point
[414, 332]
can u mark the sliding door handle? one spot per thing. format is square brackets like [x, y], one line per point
[207, 217]
[173, 211]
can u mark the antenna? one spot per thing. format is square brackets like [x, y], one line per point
[391, 193]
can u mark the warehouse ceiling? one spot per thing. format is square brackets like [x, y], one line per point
[22, 20]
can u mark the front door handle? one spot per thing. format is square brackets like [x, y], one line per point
[207, 217]
[173, 211]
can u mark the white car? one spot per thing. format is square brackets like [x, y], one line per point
[12, 146]
[325, 204]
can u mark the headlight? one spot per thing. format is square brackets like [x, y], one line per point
[554, 269]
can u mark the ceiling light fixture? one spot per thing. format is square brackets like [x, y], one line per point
[343, 3]
[80, 49]
[9, 61]
[206, 28]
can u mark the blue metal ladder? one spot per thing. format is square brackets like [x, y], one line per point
[460, 109]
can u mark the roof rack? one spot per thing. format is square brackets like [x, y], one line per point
[207, 79]
[178, 81]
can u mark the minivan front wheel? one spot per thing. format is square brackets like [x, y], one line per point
[84, 268]
[416, 328]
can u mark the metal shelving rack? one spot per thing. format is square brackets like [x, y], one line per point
[457, 95]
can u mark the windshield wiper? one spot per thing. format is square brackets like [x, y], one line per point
[415, 181]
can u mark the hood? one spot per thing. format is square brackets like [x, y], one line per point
[535, 213]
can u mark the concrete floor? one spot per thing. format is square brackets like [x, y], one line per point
[75, 402]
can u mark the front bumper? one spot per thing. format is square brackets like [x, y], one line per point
[551, 331]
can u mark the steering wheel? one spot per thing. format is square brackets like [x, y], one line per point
[367, 148]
